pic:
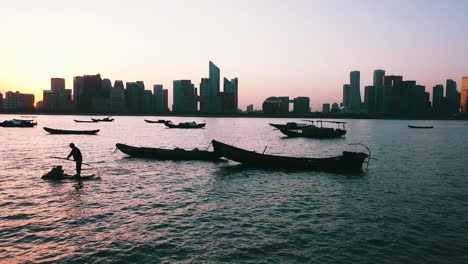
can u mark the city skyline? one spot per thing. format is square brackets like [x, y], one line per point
[303, 48]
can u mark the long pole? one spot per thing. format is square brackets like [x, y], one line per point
[70, 160]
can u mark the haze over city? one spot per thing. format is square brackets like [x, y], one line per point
[275, 48]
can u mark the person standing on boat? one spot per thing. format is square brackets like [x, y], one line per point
[76, 153]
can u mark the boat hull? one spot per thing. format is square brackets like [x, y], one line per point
[167, 154]
[290, 126]
[85, 121]
[348, 162]
[315, 132]
[183, 125]
[155, 121]
[421, 127]
[69, 177]
[75, 132]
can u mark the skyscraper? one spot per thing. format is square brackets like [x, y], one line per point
[452, 95]
[301, 105]
[464, 95]
[369, 99]
[355, 80]
[57, 98]
[158, 98]
[215, 99]
[230, 95]
[437, 98]
[347, 96]
[165, 101]
[378, 84]
[205, 97]
[184, 100]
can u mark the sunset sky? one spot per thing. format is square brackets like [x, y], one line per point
[275, 48]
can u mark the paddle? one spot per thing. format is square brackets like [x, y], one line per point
[70, 160]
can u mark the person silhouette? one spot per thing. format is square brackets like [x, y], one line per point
[76, 153]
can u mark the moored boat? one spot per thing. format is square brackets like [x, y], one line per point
[160, 121]
[18, 123]
[167, 154]
[347, 162]
[291, 125]
[423, 127]
[193, 124]
[85, 121]
[76, 132]
[105, 119]
[318, 131]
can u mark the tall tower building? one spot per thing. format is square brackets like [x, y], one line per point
[464, 95]
[184, 100]
[437, 98]
[158, 98]
[215, 98]
[355, 82]
[452, 95]
[378, 84]
[347, 96]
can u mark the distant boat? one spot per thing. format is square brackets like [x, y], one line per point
[76, 132]
[167, 154]
[424, 127]
[85, 121]
[169, 124]
[291, 125]
[160, 121]
[18, 123]
[348, 162]
[105, 119]
[318, 131]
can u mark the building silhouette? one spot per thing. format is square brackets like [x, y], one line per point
[249, 108]
[377, 108]
[284, 104]
[185, 97]
[355, 83]
[325, 108]
[438, 99]
[214, 98]
[272, 106]
[453, 97]
[117, 98]
[89, 95]
[301, 105]
[369, 99]
[57, 99]
[464, 95]
[16, 101]
[347, 96]
[1, 102]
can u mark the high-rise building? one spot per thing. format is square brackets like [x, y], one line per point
[184, 100]
[326, 108]
[391, 94]
[18, 102]
[118, 84]
[57, 99]
[165, 100]
[215, 99]
[117, 98]
[135, 97]
[464, 95]
[106, 86]
[250, 108]
[378, 84]
[1, 102]
[369, 99]
[453, 97]
[335, 107]
[158, 98]
[437, 98]
[205, 95]
[347, 96]
[301, 105]
[148, 106]
[230, 89]
[355, 80]
[89, 95]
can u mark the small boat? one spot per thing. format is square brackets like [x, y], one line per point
[85, 121]
[105, 119]
[424, 127]
[18, 123]
[160, 121]
[169, 124]
[77, 132]
[318, 131]
[167, 154]
[291, 125]
[58, 174]
[348, 162]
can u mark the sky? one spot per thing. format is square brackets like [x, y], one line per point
[276, 48]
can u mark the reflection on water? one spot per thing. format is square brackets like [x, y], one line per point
[412, 197]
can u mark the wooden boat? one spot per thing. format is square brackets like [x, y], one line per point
[291, 125]
[77, 132]
[160, 121]
[105, 119]
[169, 124]
[167, 154]
[424, 127]
[85, 121]
[348, 162]
[318, 131]
[18, 123]
[57, 174]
